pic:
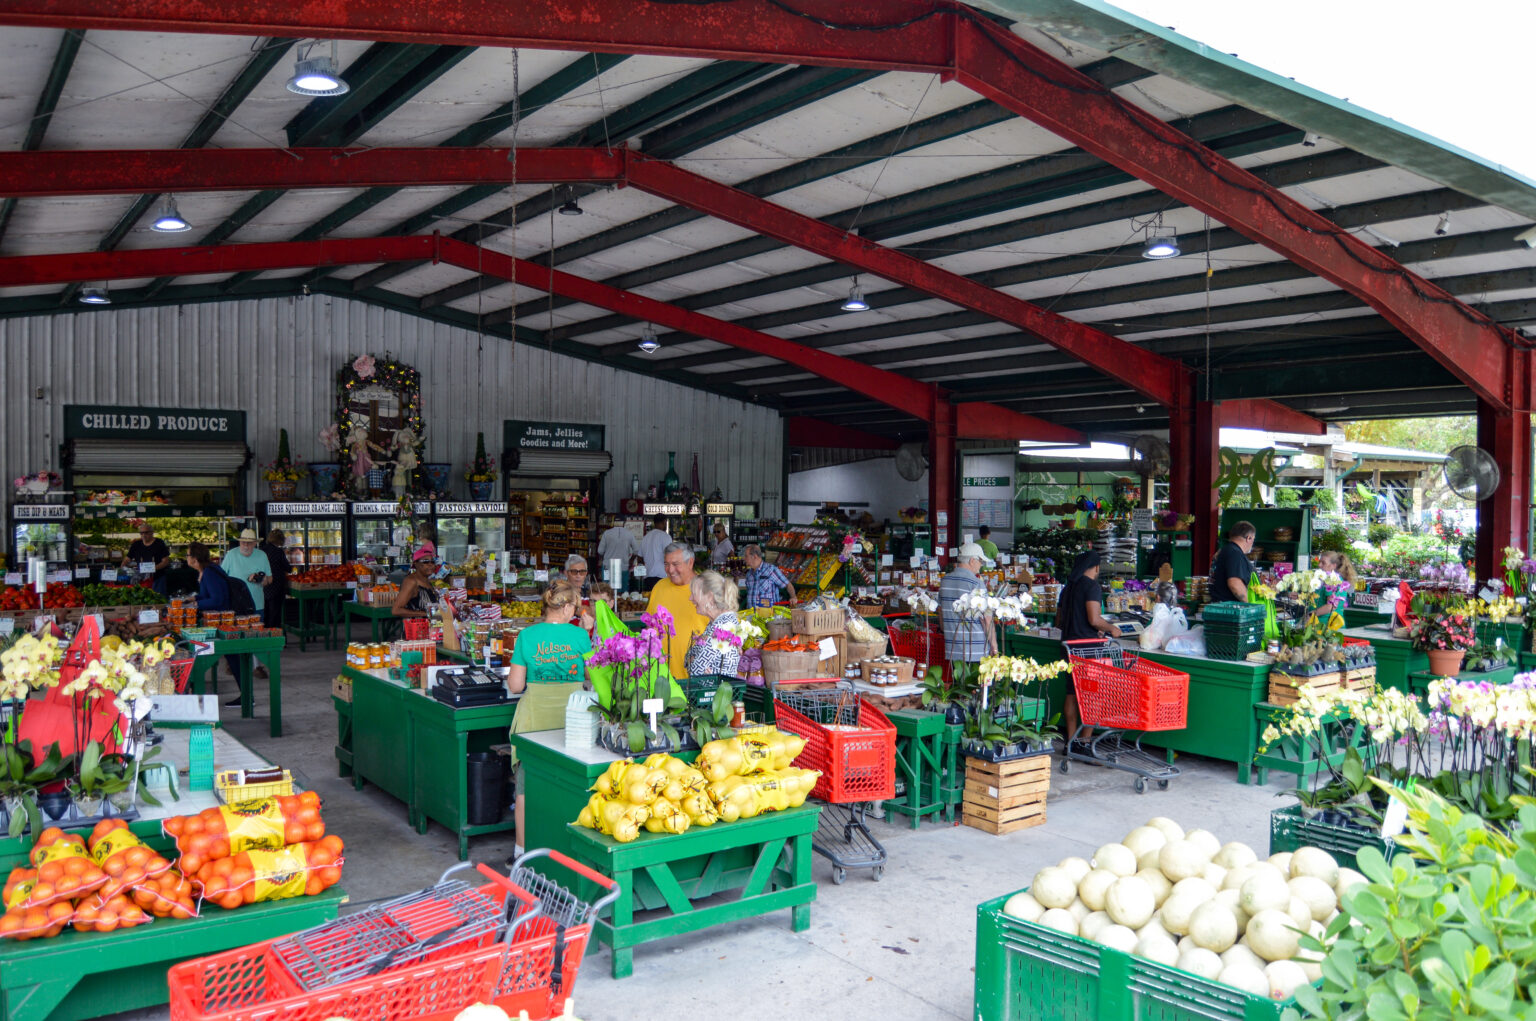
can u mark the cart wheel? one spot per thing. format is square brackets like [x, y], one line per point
[1141, 785]
[1162, 785]
[876, 872]
[1066, 765]
[839, 875]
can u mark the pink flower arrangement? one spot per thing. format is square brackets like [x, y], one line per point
[330, 437]
[363, 366]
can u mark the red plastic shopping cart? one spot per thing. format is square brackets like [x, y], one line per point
[917, 638]
[517, 942]
[854, 746]
[1118, 691]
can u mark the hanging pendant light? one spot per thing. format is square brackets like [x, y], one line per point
[94, 296]
[317, 76]
[855, 301]
[648, 342]
[168, 220]
[1162, 243]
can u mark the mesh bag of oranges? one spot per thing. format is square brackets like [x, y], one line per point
[250, 877]
[262, 825]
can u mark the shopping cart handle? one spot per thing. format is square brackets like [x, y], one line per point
[528, 899]
[574, 866]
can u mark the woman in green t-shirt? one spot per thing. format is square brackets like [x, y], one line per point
[548, 661]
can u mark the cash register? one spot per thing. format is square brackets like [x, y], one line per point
[462, 686]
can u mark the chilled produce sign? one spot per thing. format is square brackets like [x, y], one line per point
[551, 436]
[115, 422]
[40, 512]
[275, 509]
[471, 508]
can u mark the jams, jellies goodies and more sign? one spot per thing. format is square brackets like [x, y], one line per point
[40, 512]
[117, 422]
[518, 435]
[471, 508]
[289, 510]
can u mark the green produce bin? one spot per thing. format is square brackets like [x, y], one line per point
[1289, 830]
[1026, 972]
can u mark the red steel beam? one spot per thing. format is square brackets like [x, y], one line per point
[919, 35]
[999, 65]
[141, 171]
[813, 432]
[891, 388]
[1153, 376]
[1269, 415]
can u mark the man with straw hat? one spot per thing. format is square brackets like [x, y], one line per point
[249, 565]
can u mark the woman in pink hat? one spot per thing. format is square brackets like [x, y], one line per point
[417, 597]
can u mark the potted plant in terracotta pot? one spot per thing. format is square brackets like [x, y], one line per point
[1444, 635]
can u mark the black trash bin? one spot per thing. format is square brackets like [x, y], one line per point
[487, 788]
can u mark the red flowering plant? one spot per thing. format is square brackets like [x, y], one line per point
[1445, 629]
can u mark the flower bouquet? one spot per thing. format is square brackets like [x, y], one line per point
[283, 468]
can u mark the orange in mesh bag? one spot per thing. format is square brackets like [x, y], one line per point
[65, 870]
[126, 859]
[21, 922]
[299, 870]
[104, 914]
[265, 824]
[168, 895]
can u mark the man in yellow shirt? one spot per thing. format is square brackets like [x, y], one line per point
[672, 592]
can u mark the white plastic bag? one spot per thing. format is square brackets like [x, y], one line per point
[1191, 643]
[1167, 622]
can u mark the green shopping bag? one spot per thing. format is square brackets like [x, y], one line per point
[606, 625]
[1271, 624]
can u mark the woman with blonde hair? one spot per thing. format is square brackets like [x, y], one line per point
[1338, 592]
[718, 649]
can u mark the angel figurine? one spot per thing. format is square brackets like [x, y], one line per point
[357, 447]
[405, 458]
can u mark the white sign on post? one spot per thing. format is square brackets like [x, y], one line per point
[82, 572]
[541, 576]
[108, 574]
[828, 647]
[639, 571]
[652, 707]
[459, 582]
[147, 567]
[149, 616]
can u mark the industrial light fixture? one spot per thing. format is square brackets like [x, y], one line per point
[1162, 242]
[855, 302]
[168, 220]
[1444, 226]
[95, 296]
[648, 342]
[317, 76]
[570, 208]
[1527, 237]
[1310, 139]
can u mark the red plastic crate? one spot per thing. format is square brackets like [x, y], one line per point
[855, 765]
[1127, 692]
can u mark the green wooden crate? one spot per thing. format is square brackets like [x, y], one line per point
[1289, 830]
[1026, 972]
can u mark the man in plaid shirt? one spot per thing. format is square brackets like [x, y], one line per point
[764, 580]
[965, 640]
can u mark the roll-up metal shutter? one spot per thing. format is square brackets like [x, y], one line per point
[157, 458]
[561, 463]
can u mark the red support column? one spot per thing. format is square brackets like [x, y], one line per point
[943, 486]
[1194, 435]
[1503, 519]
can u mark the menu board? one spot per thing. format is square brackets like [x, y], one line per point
[996, 514]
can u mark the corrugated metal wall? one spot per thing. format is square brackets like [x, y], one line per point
[276, 358]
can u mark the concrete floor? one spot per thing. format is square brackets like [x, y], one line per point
[902, 947]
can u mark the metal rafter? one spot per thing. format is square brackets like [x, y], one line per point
[47, 100]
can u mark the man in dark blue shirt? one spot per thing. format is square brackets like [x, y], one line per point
[1231, 569]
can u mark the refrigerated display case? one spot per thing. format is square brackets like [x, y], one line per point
[41, 530]
[314, 531]
[382, 534]
[461, 525]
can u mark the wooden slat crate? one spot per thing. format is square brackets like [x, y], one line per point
[1001, 797]
[1283, 687]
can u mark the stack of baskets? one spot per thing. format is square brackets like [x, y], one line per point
[1233, 630]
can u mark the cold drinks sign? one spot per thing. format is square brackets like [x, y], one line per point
[97, 421]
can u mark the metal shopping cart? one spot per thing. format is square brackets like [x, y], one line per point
[1119, 693]
[517, 942]
[854, 746]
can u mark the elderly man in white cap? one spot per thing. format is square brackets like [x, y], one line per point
[250, 566]
[965, 640]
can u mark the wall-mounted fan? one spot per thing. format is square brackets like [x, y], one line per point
[1150, 456]
[910, 461]
[1471, 472]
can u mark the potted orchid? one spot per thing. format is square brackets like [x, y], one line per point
[29, 664]
[639, 664]
[999, 725]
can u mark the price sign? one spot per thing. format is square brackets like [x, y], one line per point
[149, 616]
[391, 551]
[147, 567]
[108, 574]
[459, 582]
[827, 647]
[917, 561]
[82, 572]
[352, 584]
[7, 625]
[202, 649]
[639, 571]
[1141, 519]
[886, 560]
[1005, 559]
[541, 576]
[651, 707]
[509, 577]
[13, 577]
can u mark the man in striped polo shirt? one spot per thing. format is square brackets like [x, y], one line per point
[965, 640]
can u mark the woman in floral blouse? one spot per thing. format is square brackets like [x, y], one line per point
[718, 649]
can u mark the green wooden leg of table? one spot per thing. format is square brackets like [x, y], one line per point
[623, 917]
[800, 851]
[274, 664]
[343, 737]
[247, 685]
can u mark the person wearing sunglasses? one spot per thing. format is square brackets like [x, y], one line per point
[417, 597]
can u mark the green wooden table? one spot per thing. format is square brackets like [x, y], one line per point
[409, 744]
[343, 735]
[686, 868]
[1222, 695]
[381, 620]
[317, 613]
[1419, 680]
[1363, 616]
[1395, 657]
[1294, 755]
[269, 651]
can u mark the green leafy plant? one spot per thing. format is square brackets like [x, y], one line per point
[20, 779]
[711, 722]
[1378, 533]
[1336, 539]
[1445, 931]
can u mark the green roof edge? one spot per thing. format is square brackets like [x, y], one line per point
[1121, 34]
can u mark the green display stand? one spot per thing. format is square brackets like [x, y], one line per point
[79, 975]
[1294, 755]
[317, 615]
[381, 620]
[1395, 657]
[267, 651]
[1220, 721]
[1362, 616]
[414, 747]
[686, 868]
[1265, 520]
[1513, 633]
[920, 764]
[1176, 546]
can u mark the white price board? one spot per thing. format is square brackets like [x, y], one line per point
[13, 577]
[827, 647]
[147, 567]
[83, 572]
[886, 560]
[7, 625]
[108, 574]
[541, 576]
[459, 582]
[149, 616]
